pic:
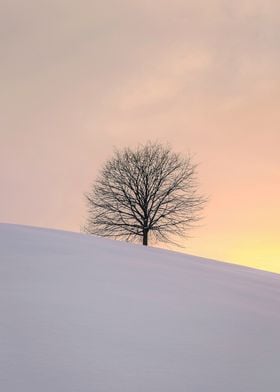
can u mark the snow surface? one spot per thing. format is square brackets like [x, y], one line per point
[86, 314]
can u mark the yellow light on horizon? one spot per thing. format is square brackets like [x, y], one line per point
[259, 251]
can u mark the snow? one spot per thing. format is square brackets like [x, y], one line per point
[86, 314]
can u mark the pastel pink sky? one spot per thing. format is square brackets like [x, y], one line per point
[80, 77]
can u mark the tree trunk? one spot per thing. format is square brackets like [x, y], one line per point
[145, 237]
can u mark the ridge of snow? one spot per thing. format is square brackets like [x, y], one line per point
[82, 313]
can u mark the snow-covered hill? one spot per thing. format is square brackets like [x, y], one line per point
[85, 314]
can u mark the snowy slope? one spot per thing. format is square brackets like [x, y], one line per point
[85, 314]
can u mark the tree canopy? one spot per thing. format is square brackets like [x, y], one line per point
[149, 191]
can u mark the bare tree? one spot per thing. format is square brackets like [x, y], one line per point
[147, 191]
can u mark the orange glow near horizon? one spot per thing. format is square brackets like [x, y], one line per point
[203, 77]
[254, 250]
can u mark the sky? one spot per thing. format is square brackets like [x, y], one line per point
[79, 78]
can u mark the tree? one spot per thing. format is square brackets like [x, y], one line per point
[147, 191]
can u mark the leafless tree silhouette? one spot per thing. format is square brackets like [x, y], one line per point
[147, 191]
